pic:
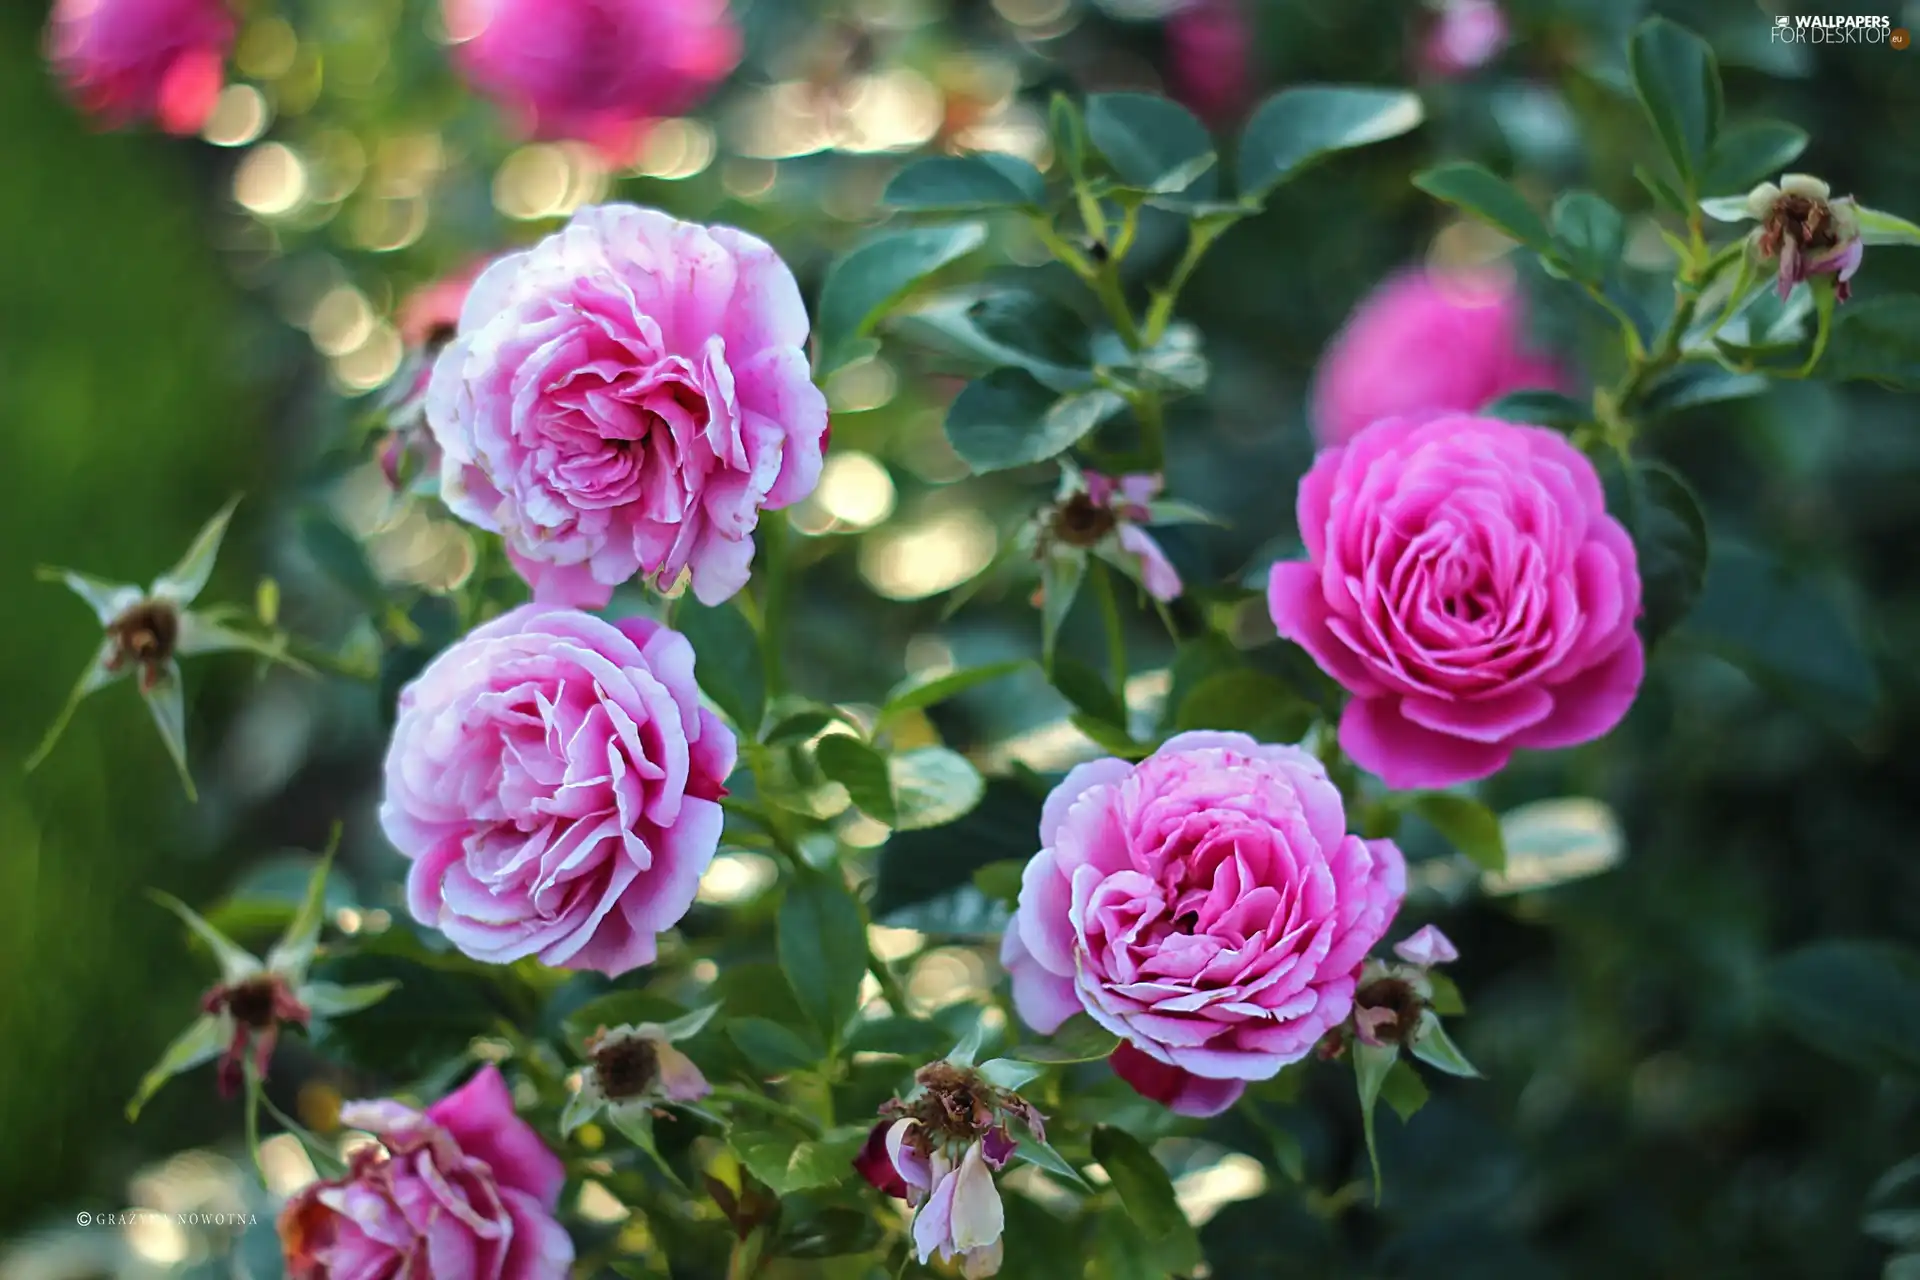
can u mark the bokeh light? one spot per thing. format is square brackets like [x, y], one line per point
[271, 181]
[913, 560]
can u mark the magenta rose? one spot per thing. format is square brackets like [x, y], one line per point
[1427, 341]
[595, 71]
[556, 783]
[1208, 61]
[464, 1189]
[624, 398]
[1207, 905]
[1466, 585]
[129, 60]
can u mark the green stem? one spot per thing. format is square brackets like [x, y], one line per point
[1151, 414]
[1106, 283]
[775, 541]
[1116, 632]
[1076, 261]
[1160, 314]
[254, 1097]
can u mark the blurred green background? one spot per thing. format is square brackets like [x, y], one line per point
[1643, 1114]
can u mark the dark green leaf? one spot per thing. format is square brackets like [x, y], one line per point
[1009, 419]
[916, 694]
[726, 660]
[1750, 153]
[1298, 126]
[1036, 325]
[1248, 701]
[916, 866]
[1036, 1152]
[1670, 541]
[1000, 880]
[1061, 574]
[1877, 340]
[1788, 634]
[1468, 825]
[1859, 1001]
[1153, 143]
[1492, 199]
[787, 1164]
[831, 1233]
[1084, 687]
[948, 325]
[986, 181]
[770, 1046]
[862, 771]
[1540, 409]
[1691, 385]
[1403, 1090]
[442, 1002]
[616, 1009]
[901, 1036]
[823, 950]
[867, 282]
[802, 725]
[1081, 1039]
[1679, 85]
[962, 913]
[1144, 1188]
[1590, 233]
[1109, 737]
[341, 558]
[1662, 191]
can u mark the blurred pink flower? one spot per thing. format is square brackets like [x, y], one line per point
[1464, 36]
[130, 60]
[624, 398]
[1427, 341]
[1122, 504]
[557, 784]
[594, 71]
[1466, 585]
[957, 1207]
[466, 1188]
[1207, 905]
[1209, 43]
[1426, 947]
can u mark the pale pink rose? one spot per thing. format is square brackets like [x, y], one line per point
[1465, 35]
[595, 71]
[1427, 947]
[1427, 341]
[1466, 585]
[1209, 48]
[465, 1189]
[556, 783]
[626, 397]
[130, 60]
[1207, 905]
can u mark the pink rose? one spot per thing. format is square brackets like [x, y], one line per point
[596, 71]
[466, 1189]
[556, 783]
[128, 60]
[1208, 46]
[1207, 905]
[624, 398]
[1426, 342]
[1465, 36]
[1469, 589]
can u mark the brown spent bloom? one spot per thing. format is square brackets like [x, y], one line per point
[257, 1004]
[626, 1066]
[147, 634]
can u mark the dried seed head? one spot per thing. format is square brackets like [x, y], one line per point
[1082, 522]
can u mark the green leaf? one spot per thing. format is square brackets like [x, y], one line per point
[235, 961]
[1749, 153]
[689, 1025]
[932, 786]
[917, 866]
[1010, 419]
[1690, 385]
[108, 600]
[294, 952]
[1047, 330]
[862, 771]
[1877, 340]
[726, 660]
[823, 950]
[868, 281]
[985, 181]
[1110, 738]
[831, 1233]
[1446, 999]
[1468, 825]
[1061, 574]
[1248, 701]
[1590, 233]
[949, 323]
[1554, 842]
[1540, 409]
[1043, 1155]
[581, 1107]
[1153, 143]
[968, 1050]
[1371, 1066]
[1663, 193]
[1404, 1090]
[1146, 1191]
[167, 702]
[1001, 880]
[1433, 1046]
[901, 1036]
[331, 1000]
[1788, 634]
[1679, 86]
[1478, 191]
[1877, 227]
[771, 1047]
[183, 583]
[341, 557]
[1670, 540]
[201, 1042]
[802, 725]
[1296, 127]
[914, 695]
[1081, 1039]
[93, 679]
[1856, 1000]
[1086, 689]
[1010, 1073]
